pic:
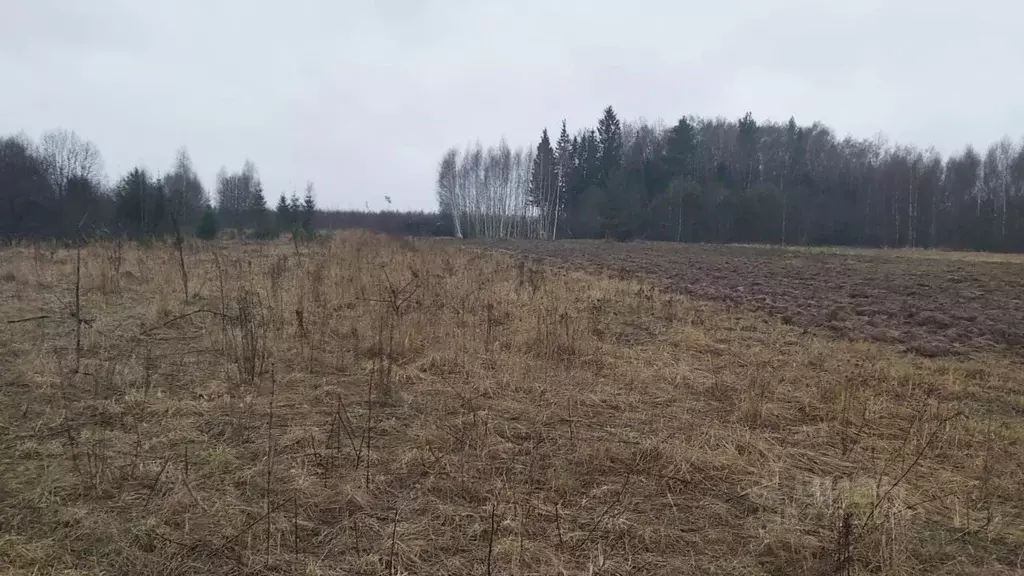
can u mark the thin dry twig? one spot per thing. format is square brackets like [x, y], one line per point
[604, 513]
[188, 486]
[182, 317]
[917, 459]
[29, 319]
[490, 542]
[391, 553]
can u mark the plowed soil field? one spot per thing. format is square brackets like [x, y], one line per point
[929, 303]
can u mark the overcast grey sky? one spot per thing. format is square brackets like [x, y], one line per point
[363, 97]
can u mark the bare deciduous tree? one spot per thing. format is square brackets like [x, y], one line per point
[184, 190]
[235, 193]
[65, 155]
[485, 192]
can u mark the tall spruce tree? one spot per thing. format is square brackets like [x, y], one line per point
[544, 182]
[140, 205]
[564, 168]
[609, 134]
[258, 202]
[746, 146]
[258, 217]
[308, 209]
[283, 214]
[680, 150]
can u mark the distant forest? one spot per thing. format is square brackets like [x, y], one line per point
[54, 188]
[701, 180]
[719, 180]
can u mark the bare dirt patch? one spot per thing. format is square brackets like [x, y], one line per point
[927, 303]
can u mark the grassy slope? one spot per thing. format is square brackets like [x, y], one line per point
[524, 420]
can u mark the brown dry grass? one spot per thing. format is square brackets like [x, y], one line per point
[406, 407]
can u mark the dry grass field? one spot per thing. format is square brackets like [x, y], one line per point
[369, 405]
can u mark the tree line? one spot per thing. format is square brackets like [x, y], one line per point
[721, 180]
[54, 188]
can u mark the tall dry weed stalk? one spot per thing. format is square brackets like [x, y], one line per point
[78, 306]
[277, 274]
[222, 285]
[251, 336]
[179, 244]
[558, 334]
[270, 456]
[111, 279]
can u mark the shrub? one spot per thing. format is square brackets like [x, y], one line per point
[207, 227]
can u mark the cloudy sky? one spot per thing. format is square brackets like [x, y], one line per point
[362, 97]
